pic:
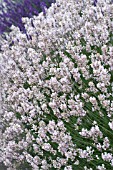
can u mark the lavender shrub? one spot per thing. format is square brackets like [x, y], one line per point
[11, 12]
[57, 89]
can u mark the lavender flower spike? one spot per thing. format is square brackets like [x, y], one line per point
[95, 2]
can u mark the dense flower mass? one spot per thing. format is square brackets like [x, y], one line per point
[57, 89]
[12, 11]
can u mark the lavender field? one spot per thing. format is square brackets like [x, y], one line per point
[56, 71]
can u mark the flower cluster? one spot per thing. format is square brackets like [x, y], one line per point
[12, 11]
[57, 89]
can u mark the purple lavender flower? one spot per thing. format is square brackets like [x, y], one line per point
[95, 2]
[12, 12]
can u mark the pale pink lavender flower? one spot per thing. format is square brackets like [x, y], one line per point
[57, 89]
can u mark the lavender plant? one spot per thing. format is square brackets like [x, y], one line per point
[12, 11]
[57, 89]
